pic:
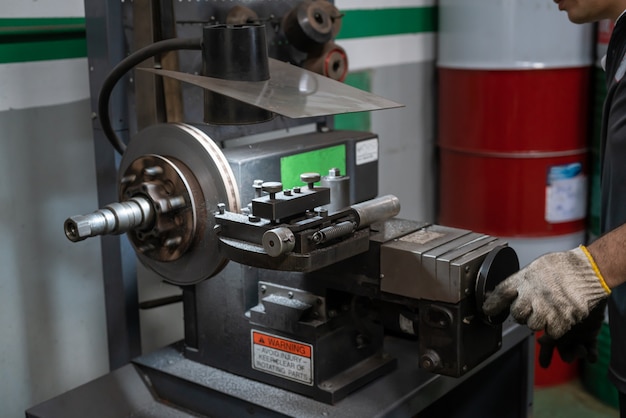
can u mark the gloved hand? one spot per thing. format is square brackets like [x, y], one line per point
[579, 342]
[552, 293]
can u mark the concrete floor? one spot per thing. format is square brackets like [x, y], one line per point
[570, 400]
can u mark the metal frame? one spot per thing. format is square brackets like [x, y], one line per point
[105, 48]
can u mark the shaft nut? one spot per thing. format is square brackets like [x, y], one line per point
[77, 228]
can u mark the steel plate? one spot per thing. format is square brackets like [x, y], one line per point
[291, 91]
[202, 157]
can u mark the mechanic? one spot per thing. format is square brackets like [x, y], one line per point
[565, 293]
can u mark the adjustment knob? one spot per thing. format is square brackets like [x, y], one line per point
[272, 187]
[278, 241]
[310, 179]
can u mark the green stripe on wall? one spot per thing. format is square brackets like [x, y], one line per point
[381, 22]
[41, 50]
[41, 26]
[39, 39]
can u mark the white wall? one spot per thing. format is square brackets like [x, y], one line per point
[52, 328]
[402, 69]
[407, 137]
[42, 8]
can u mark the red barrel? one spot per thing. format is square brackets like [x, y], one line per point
[501, 136]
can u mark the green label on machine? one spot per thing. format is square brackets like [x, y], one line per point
[318, 161]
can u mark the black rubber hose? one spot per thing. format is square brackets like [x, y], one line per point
[125, 66]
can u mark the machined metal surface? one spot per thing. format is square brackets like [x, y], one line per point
[376, 210]
[253, 254]
[339, 186]
[186, 148]
[435, 263]
[113, 219]
[306, 240]
[291, 91]
[286, 204]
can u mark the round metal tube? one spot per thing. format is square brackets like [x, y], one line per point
[376, 210]
[234, 53]
[339, 190]
[113, 219]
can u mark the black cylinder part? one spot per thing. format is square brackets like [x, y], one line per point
[238, 53]
[235, 52]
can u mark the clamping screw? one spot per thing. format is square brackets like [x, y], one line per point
[310, 179]
[257, 185]
[321, 212]
[272, 187]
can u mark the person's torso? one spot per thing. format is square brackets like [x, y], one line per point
[613, 186]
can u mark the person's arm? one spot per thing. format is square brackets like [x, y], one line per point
[609, 253]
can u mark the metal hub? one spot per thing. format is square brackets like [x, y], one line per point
[184, 175]
[168, 185]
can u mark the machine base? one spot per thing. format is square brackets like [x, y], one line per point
[501, 386]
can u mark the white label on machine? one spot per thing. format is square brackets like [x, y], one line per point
[566, 193]
[406, 325]
[366, 151]
[282, 357]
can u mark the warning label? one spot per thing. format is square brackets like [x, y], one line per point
[282, 357]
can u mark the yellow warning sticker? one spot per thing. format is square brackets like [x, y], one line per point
[282, 357]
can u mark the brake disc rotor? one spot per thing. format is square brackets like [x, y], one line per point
[170, 164]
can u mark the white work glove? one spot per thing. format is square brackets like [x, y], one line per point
[553, 293]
